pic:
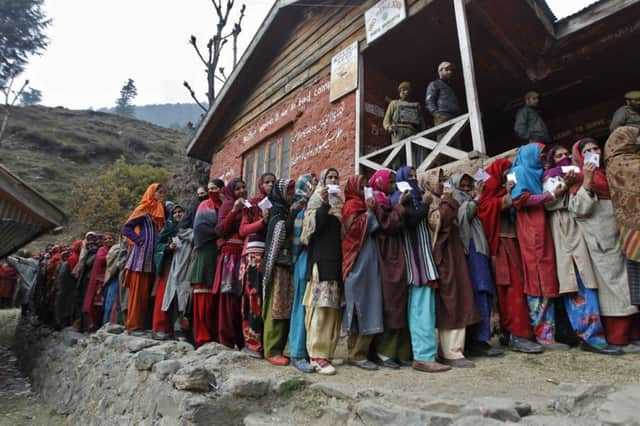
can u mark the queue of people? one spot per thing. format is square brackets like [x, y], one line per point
[410, 268]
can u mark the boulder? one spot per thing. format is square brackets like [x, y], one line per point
[502, 409]
[194, 379]
[373, 412]
[165, 368]
[621, 407]
[244, 385]
[145, 359]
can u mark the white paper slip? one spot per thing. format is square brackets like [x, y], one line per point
[511, 177]
[567, 169]
[247, 204]
[593, 158]
[177, 242]
[481, 175]
[368, 192]
[551, 184]
[447, 186]
[403, 186]
[265, 204]
[333, 189]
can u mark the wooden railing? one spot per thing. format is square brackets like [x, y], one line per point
[452, 127]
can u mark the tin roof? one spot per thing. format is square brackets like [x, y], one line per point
[24, 214]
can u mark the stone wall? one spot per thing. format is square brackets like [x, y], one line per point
[110, 378]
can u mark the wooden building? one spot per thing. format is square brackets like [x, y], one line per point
[275, 113]
[24, 214]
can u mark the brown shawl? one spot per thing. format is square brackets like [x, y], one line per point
[622, 158]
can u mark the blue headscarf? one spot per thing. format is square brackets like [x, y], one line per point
[402, 175]
[528, 169]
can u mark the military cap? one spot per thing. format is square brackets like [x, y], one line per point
[634, 95]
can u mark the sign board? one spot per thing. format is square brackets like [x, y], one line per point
[344, 72]
[383, 16]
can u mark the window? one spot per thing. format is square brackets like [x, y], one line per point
[271, 156]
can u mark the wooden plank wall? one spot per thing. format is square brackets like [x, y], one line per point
[306, 55]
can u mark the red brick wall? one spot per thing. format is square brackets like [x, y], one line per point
[322, 134]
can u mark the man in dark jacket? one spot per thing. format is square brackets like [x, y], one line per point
[629, 114]
[529, 125]
[441, 100]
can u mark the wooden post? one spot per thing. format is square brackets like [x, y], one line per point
[475, 117]
[359, 110]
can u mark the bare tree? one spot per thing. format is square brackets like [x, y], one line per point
[214, 49]
[10, 99]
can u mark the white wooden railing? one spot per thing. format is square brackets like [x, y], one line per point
[452, 127]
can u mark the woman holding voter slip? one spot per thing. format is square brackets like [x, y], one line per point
[321, 233]
[422, 273]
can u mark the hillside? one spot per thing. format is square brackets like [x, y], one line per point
[175, 116]
[54, 149]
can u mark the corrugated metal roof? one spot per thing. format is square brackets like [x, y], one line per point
[24, 214]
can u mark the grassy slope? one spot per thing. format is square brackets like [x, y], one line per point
[54, 149]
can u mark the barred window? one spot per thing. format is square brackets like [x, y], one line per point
[272, 156]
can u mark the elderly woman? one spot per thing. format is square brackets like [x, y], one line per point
[622, 158]
[321, 233]
[576, 277]
[455, 307]
[142, 229]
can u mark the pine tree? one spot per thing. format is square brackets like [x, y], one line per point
[127, 95]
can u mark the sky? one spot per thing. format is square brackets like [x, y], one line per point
[96, 45]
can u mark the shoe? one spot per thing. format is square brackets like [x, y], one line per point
[323, 366]
[607, 350]
[405, 363]
[430, 366]
[555, 346]
[520, 344]
[278, 360]
[504, 339]
[388, 363]
[302, 365]
[252, 353]
[159, 335]
[459, 363]
[365, 365]
[479, 349]
[627, 349]
[635, 342]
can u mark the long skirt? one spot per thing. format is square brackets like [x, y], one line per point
[483, 289]
[139, 285]
[276, 311]
[584, 314]
[422, 322]
[251, 277]
[622, 330]
[297, 333]
[161, 319]
[227, 290]
[204, 326]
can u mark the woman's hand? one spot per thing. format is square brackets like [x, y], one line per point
[265, 215]
[427, 198]
[297, 206]
[570, 178]
[371, 204]
[404, 197]
[588, 169]
[479, 189]
[509, 186]
[324, 194]
[237, 206]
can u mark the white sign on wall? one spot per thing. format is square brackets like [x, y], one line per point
[344, 72]
[383, 16]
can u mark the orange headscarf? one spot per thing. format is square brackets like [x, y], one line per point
[149, 205]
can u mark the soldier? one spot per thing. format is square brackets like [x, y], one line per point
[629, 114]
[403, 118]
[529, 125]
[441, 100]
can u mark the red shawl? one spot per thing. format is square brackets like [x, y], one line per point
[354, 223]
[380, 183]
[72, 261]
[96, 279]
[255, 213]
[490, 205]
[224, 232]
[599, 183]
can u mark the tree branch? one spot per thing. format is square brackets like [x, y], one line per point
[192, 41]
[193, 96]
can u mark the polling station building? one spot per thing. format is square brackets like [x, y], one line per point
[312, 88]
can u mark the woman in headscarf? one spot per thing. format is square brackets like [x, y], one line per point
[536, 243]
[455, 307]
[577, 280]
[203, 266]
[227, 287]
[321, 233]
[467, 193]
[493, 210]
[161, 323]
[361, 273]
[142, 229]
[393, 346]
[177, 292]
[92, 307]
[277, 284]
[85, 264]
[67, 284]
[253, 229]
[422, 272]
[116, 259]
[297, 334]
[622, 158]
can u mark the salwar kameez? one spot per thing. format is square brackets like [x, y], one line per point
[422, 322]
[139, 285]
[322, 317]
[251, 277]
[110, 296]
[584, 314]
[204, 320]
[297, 332]
[161, 319]
[226, 291]
[277, 312]
[482, 282]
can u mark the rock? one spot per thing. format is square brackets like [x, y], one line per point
[247, 386]
[559, 421]
[194, 379]
[145, 359]
[478, 421]
[136, 344]
[166, 368]
[212, 348]
[287, 385]
[71, 337]
[502, 409]
[260, 419]
[569, 397]
[113, 328]
[336, 390]
[375, 413]
[621, 407]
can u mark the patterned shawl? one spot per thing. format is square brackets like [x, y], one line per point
[599, 182]
[429, 183]
[468, 229]
[354, 224]
[315, 202]
[622, 158]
